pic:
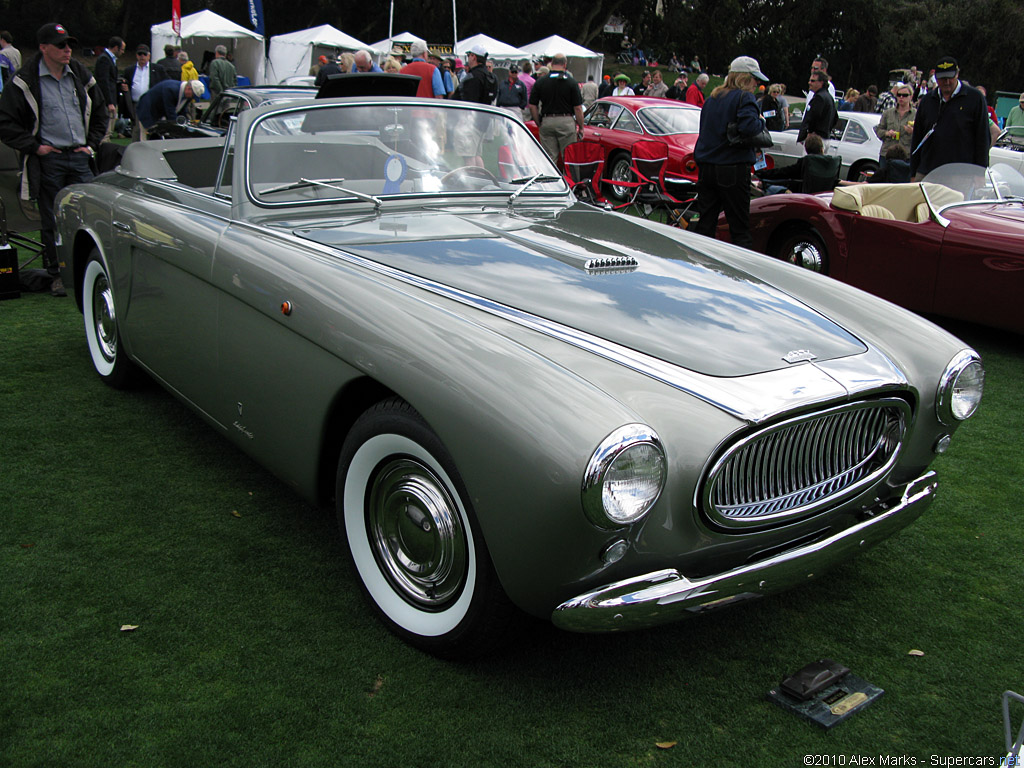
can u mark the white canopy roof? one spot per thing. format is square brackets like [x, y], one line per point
[203, 31]
[582, 62]
[496, 50]
[294, 53]
[402, 38]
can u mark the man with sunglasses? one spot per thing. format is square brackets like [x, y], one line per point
[53, 113]
[821, 113]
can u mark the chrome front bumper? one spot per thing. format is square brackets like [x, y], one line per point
[665, 596]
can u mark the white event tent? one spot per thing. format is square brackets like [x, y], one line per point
[582, 62]
[403, 39]
[497, 51]
[294, 53]
[204, 30]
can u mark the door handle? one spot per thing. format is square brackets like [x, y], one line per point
[121, 226]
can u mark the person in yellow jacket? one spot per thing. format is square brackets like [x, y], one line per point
[188, 69]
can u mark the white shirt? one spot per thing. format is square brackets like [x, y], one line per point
[140, 84]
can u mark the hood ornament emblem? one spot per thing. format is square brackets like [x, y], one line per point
[799, 356]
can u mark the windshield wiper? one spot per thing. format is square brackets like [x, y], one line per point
[527, 182]
[331, 184]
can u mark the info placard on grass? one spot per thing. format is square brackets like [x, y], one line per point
[825, 693]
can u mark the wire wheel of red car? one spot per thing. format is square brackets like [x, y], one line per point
[620, 171]
[805, 249]
[419, 555]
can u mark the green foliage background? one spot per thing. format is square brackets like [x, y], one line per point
[862, 39]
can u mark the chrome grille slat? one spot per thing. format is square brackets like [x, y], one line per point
[801, 465]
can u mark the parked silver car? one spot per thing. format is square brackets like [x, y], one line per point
[513, 398]
[853, 139]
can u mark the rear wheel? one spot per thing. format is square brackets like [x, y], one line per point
[857, 169]
[409, 525]
[620, 171]
[101, 330]
[805, 249]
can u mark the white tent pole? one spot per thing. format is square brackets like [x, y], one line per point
[455, 28]
[391, 28]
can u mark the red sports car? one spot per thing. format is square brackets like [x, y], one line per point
[952, 245]
[615, 122]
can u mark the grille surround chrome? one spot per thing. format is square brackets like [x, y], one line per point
[780, 473]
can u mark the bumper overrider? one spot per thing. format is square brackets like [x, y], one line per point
[667, 595]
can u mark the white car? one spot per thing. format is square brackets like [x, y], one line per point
[1009, 149]
[853, 139]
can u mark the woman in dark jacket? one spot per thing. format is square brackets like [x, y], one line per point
[723, 180]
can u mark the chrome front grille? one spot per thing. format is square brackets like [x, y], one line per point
[801, 465]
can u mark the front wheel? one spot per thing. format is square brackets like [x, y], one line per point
[805, 249]
[101, 331]
[859, 171]
[406, 516]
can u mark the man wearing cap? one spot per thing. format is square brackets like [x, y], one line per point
[480, 85]
[951, 125]
[431, 84]
[328, 68]
[512, 93]
[222, 72]
[53, 114]
[166, 100]
[557, 107]
[822, 112]
[138, 79]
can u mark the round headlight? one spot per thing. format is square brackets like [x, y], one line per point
[960, 388]
[624, 477]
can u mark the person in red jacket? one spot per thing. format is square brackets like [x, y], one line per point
[695, 93]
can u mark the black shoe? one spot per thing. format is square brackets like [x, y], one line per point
[57, 287]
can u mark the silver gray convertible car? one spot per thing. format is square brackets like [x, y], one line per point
[515, 400]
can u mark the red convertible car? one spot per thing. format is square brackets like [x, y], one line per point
[616, 122]
[951, 245]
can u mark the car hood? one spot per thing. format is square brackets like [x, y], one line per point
[595, 273]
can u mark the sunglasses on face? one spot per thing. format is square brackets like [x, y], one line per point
[61, 46]
[903, 95]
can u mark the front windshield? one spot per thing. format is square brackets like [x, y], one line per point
[963, 183]
[370, 152]
[665, 121]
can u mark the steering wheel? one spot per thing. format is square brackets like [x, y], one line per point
[465, 172]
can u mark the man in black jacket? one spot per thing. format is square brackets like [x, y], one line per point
[821, 113]
[106, 78]
[52, 112]
[951, 125]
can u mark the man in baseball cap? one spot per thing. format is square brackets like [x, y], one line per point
[53, 114]
[54, 34]
[963, 137]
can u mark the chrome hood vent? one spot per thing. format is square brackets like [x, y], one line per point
[800, 466]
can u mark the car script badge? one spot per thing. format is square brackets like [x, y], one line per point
[799, 356]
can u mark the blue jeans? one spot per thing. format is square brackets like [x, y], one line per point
[56, 171]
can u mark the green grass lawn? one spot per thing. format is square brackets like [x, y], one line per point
[254, 648]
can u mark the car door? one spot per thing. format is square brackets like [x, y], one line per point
[896, 260]
[597, 126]
[167, 233]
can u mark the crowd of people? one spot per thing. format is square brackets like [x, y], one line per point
[925, 122]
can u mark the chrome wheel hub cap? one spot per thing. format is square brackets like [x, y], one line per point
[416, 534]
[104, 319]
[806, 255]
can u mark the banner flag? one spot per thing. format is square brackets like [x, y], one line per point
[256, 15]
[176, 17]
